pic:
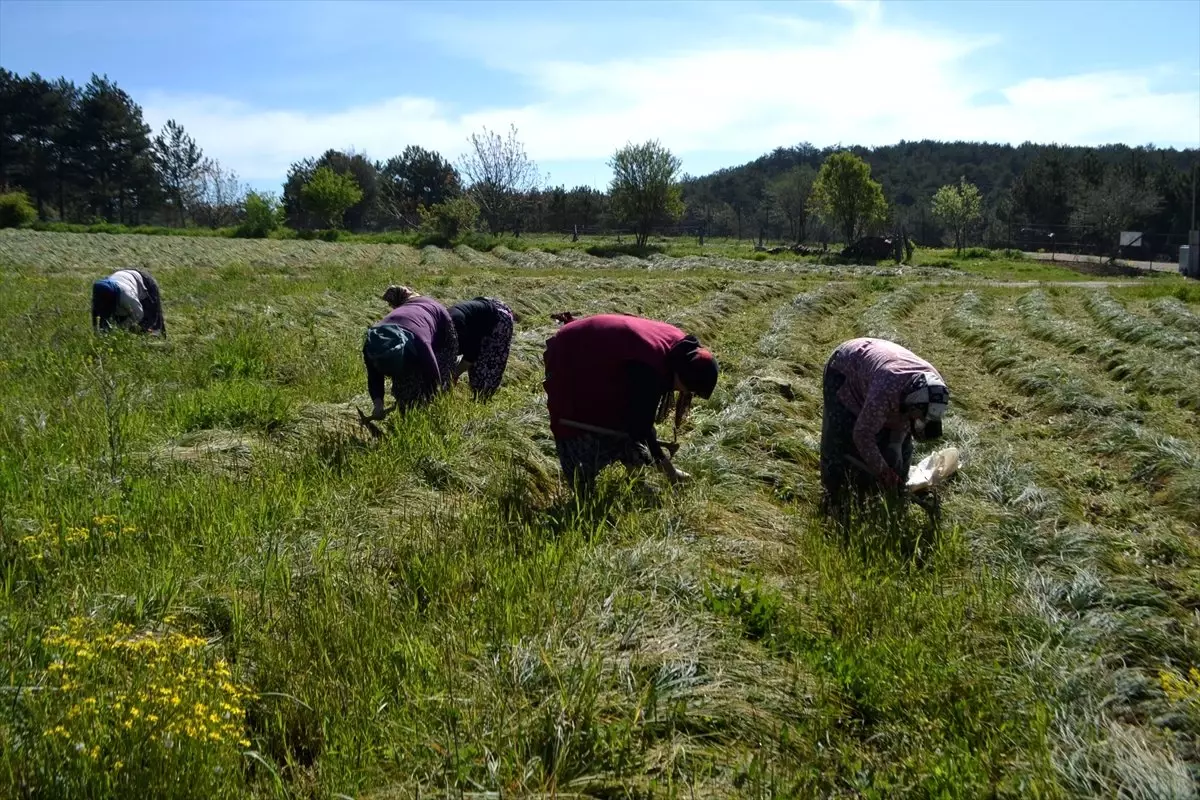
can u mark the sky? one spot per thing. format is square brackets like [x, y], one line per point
[263, 84]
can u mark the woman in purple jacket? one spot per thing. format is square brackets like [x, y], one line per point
[415, 345]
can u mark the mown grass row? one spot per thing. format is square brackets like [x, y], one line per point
[882, 319]
[1061, 390]
[1176, 313]
[1143, 369]
[1120, 322]
[1110, 624]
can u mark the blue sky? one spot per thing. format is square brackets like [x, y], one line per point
[262, 84]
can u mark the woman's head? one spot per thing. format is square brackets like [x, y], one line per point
[694, 367]
[395, 296]
[925, 405]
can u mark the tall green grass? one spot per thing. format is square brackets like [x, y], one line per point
[431, 611]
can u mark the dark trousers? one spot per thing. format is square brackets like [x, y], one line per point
[839, 477]
[152, 310]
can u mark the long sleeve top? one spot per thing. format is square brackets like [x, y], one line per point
[474, 320]
[609, 371]
[428, 321]
[132, 292]
[879, 375]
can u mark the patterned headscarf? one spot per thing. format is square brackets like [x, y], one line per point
[928, 389]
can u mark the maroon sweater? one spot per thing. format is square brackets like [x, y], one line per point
[608, 370]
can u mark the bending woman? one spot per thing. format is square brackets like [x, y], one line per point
[485, 329]
[609, 377]
[414, 345]
[878, 396]
[129, 298]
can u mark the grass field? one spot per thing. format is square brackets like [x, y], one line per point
[216, 584]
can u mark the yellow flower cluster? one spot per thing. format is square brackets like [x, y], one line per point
[119, 688]
[49, 544]
[1179, 689]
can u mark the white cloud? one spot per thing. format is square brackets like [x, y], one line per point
[864, 83]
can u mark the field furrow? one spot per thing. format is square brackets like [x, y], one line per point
[1146, 369]
[1120, 322]
[1177, 314]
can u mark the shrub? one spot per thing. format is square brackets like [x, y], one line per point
[16, 211]
[263, 215]
[449, 219]
[978, 252]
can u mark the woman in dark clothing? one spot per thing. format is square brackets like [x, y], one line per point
[609, 377]
[485, 328]
[415, 345]
[130, 299]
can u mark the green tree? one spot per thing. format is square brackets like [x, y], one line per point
[417, 177]
[645, 190]
[845, 196]
[449, 219]
[113, 152]
[180, 164]
[328, 194]
[958, 207]
[261, 214]
[789, 194]
[15, 210]
[1113, 206]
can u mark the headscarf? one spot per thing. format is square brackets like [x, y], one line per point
[105, 298]
[396, 295]
[695, 366]
[929, 390]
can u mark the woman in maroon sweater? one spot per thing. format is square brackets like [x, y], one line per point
[608, 378]
[415, 345]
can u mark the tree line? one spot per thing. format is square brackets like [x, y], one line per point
[85, 154]
[1030, 187]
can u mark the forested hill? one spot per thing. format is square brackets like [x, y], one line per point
[1029, 184]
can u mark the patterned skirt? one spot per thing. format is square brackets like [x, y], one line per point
[838, 476]
[582, 457]
[488, 370]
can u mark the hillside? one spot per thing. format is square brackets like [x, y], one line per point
[1029, 184]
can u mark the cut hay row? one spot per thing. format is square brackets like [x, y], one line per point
[1114, 318]
[1168, 463]
[1149, 369]
[1177, 314]
[528, 259]
[435, 257]
[1055, 387]
[881, 320]
[1060, 566]
[786, 321]
[477, 259]
[1109, 425]
[705, 319]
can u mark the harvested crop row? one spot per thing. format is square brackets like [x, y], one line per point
[1150, 369]
[1118, 321]
[821, 302]
[1176, 313]
[882, 319]
[1054, 386]
[706, 318]
[1107, 420]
